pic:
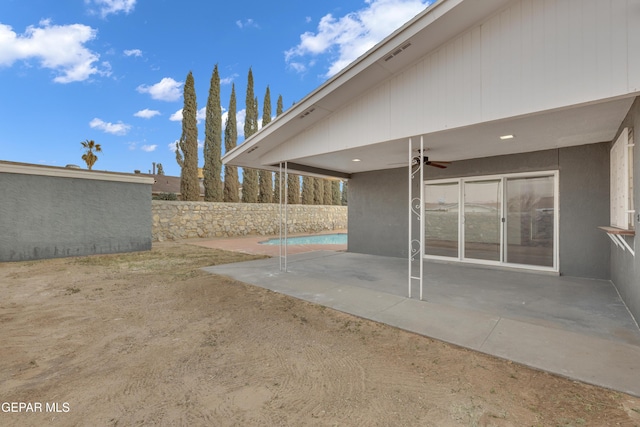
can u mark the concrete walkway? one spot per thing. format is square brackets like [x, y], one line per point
[573, 327]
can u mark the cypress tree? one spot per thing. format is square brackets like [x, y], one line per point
[328, 195]
[231, 184]
[293, 180]
[344, 193]
[276, 186]
[335, 193]
[187, 147]
[279, 106]
[265, 178]
[213, 142]
[250, 176]
[318, 191]
[307, 190]
[293, 189]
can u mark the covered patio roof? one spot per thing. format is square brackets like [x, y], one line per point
[575, 124]
[579, 125]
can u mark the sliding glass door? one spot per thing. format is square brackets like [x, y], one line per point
[530, 221]
[442, 213]
[481, 219]
[506, 219]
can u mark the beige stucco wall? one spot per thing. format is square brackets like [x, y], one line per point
[184, 220]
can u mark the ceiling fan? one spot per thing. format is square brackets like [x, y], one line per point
[415, 161]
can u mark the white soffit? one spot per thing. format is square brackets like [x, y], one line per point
[579, 125]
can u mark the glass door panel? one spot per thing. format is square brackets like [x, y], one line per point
[530, 221]
[482, 219]
[441, 219]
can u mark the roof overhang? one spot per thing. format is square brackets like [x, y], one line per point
[572, 125]
[424, 33]
[578, 125]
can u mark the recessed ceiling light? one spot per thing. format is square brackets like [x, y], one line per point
[503, 137]
[356, 160]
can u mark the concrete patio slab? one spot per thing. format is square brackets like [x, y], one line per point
[573, 327]
[586, 358]
[461, 327]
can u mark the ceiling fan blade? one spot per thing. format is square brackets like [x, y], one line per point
[437, 165]
[415, 161]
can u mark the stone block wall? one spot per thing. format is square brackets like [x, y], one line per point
[185, 220]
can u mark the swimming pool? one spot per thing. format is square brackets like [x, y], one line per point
[318, 239]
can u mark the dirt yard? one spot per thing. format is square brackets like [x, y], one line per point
[149, 339]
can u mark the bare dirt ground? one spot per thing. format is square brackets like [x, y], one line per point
[149, 339]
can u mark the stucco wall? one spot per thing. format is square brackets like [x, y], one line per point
[43, 216]
[183, 220]
[625, 268]
[378, 215]
[584, 206]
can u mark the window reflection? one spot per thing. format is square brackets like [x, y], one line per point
[441, 219]
[530, 221]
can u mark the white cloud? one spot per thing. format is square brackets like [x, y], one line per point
[58, 47]
[106, 68]
[346, 38]
[228, 80]
[249, 22]
[298, 67]
[177, 116]
[172, 145]
[146, 113]
[166, 89]
[112, 128]
[149, 148]
[133, 52]
[200, 115]
[240, 117]
[107, 7]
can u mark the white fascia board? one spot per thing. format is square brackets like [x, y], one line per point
[59, 172]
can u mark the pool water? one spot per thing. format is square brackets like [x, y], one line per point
[318, 239]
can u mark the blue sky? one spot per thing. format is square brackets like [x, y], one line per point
[113, 70]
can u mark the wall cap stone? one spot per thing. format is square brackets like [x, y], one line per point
[60, 172]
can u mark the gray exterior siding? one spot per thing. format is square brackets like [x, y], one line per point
[584, 205]
[50, 217]
[378, 204]
[625, 269]
[378, 215]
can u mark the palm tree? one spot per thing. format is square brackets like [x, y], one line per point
[90, 146]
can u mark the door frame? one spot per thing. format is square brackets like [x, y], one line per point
[503, 206]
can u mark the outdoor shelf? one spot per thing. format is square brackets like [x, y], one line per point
[620, 231]
[616, 235]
